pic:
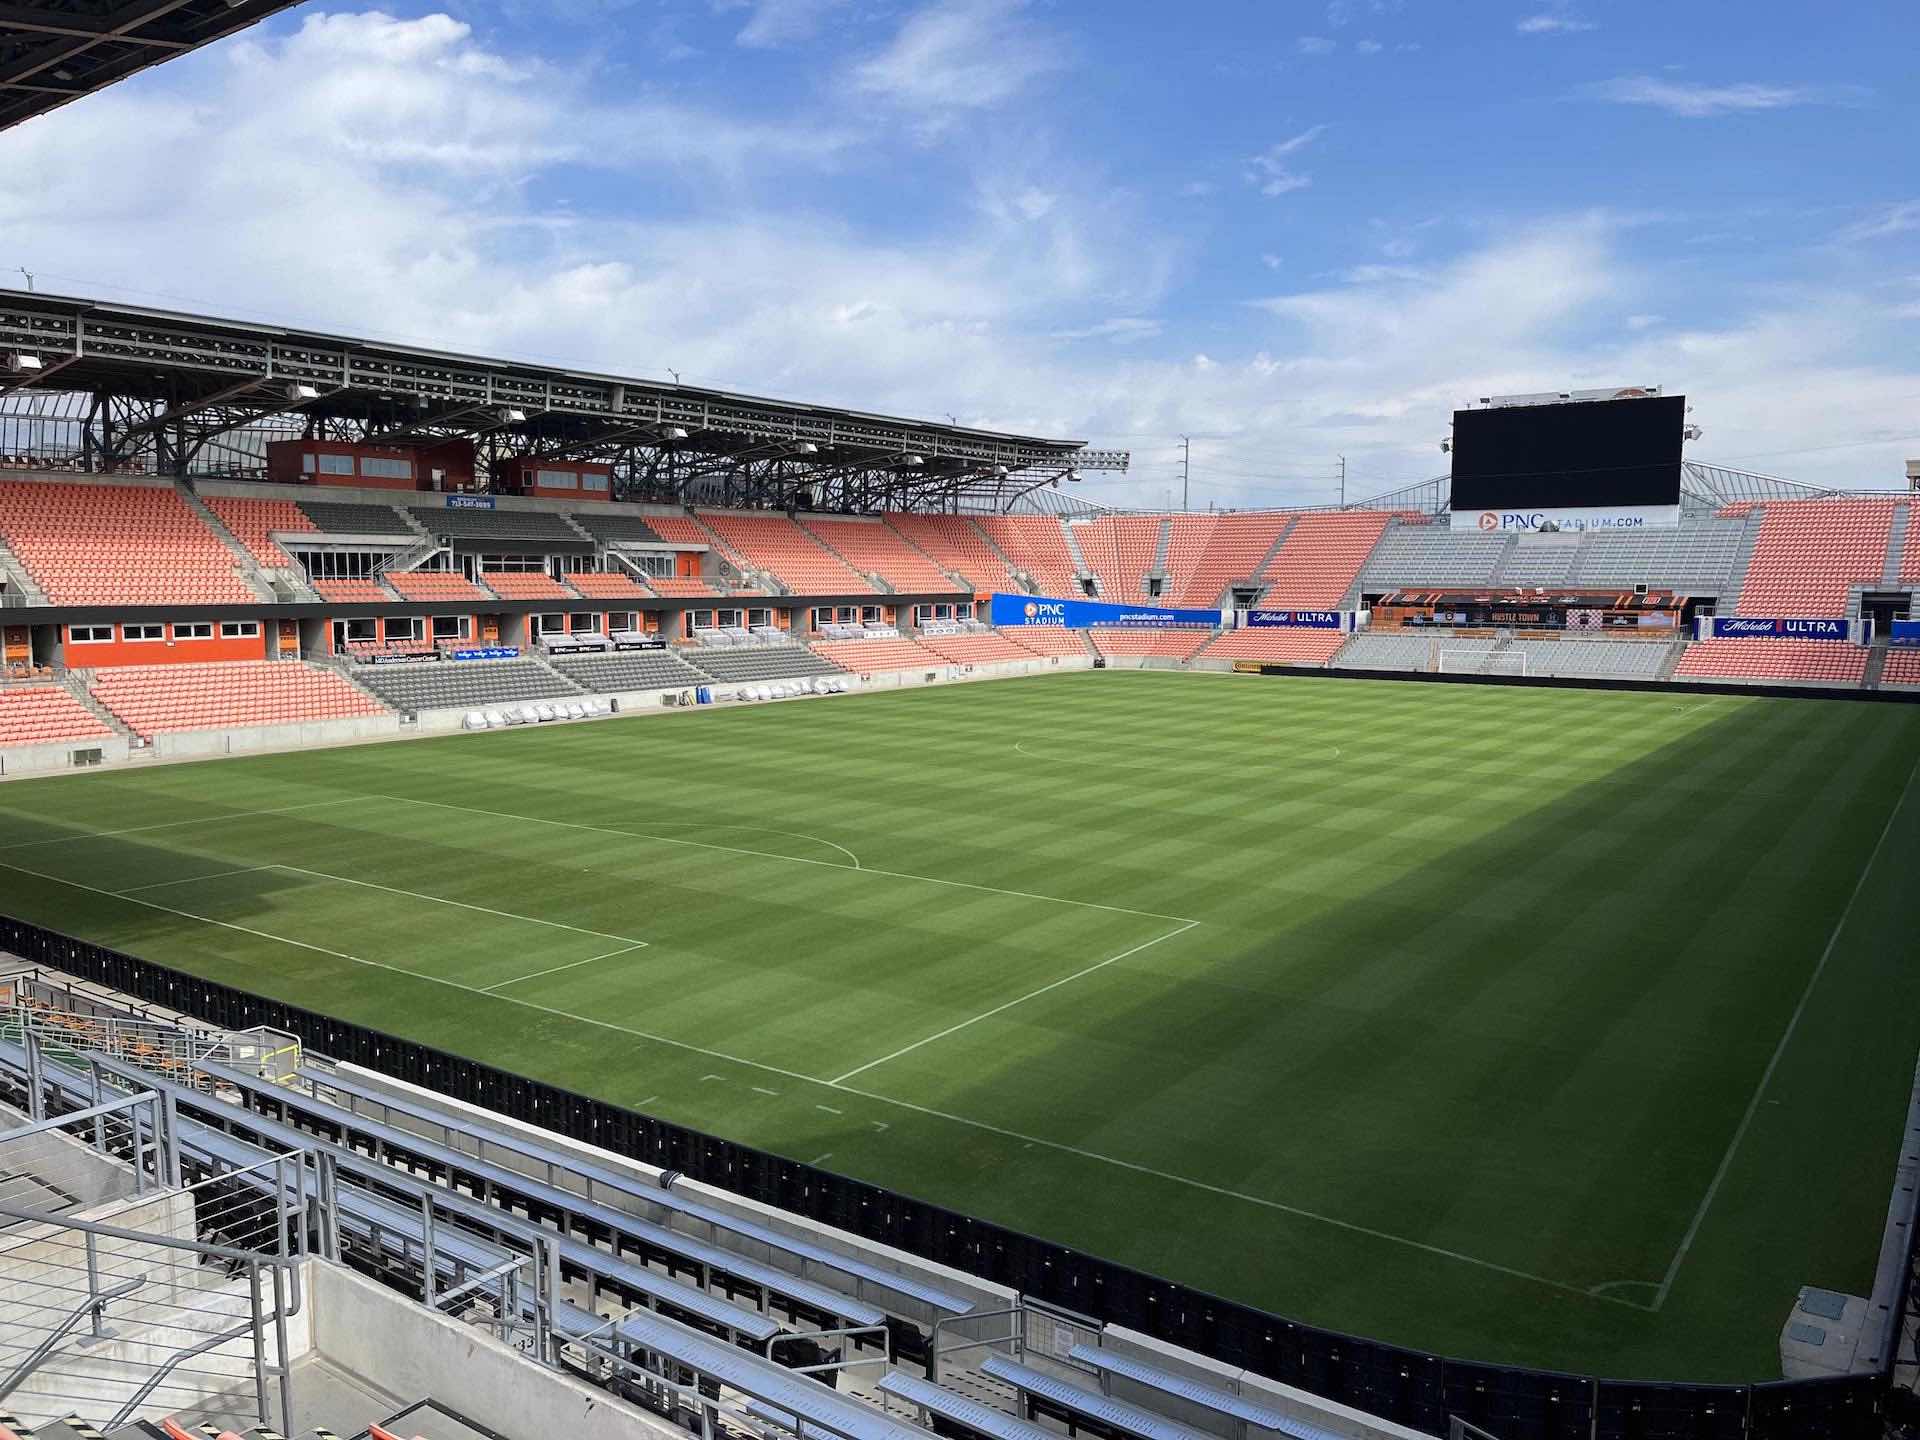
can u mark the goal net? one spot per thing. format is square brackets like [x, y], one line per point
[1482, 662]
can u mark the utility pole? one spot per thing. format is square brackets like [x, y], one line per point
[1343, 482]
[1186, 469]
[29, 274]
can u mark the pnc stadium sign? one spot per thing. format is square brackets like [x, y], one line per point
[1571, 520]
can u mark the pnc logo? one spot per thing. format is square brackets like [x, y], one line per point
[1489, 520]
[1032, 609]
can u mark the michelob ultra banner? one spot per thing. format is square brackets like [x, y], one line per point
[1084, 614]
[1736, 627]
[1297, 619]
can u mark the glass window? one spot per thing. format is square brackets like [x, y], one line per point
[869, 614]
[586, 622]
[306, 463]
[403, 627]
[239, 629]
[142, 632]
[361, 629]
[89, 634]
[336, 465]
[820, 616]
[727, 619]
[450, 627]
[557, 479]
[380, 468]
[759, 617]
[963, 611]
[622, 620]
[589, 481]
[193, 630]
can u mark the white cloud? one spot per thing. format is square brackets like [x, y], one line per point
[1121, 330]
[958, 55]
[1271, 260]
[1697, 102]
[1270, 171]
[1895, 219]
[779, 22]
[1553, 22]
[1315, 45]
[1644, 322]
[1368, 47]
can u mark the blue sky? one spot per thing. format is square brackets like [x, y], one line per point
[1291, 230]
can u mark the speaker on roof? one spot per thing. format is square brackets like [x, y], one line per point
[1640, 589]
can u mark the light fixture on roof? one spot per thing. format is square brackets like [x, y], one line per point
[21, 363]
[511, 416]
[673, 432]
[806, 447]
[298, 394]
[1691, 432]
[1000, 472]
[912, 461]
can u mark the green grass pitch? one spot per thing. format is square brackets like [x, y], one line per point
[1566, 1028]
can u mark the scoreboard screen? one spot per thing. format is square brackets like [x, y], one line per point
[1581, 454]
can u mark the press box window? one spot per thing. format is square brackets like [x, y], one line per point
[143, 632]
[194, 630]
[239, 629]
[336, 464]
[89, 634]
[375, 468]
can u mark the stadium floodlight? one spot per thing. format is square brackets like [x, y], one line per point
[673, 432]
[1691, 432]
[511, 416]
[298, 394]
[806, 447]
[21, 363]
[912, 461]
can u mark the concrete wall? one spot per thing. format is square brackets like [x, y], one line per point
[405, 1349]
[63, 1163]
[50, 759]
[206, 744]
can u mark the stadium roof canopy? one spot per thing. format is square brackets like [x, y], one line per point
[116, 385]
[53, 51]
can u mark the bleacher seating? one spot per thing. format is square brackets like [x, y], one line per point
[1420, 557]
[1902, 668]
[337, 517]
[1697, 558]
[117, 544]
[1321, 557]
[607, 585]
[463, 684]
[1189, 539]
[1277, 646]
[604, 526]
[253, 521]
[226, 695]
[1120, 549]
[875, 549]
[525, 585]
[779, 546]
[628, 670]
[467, 524]
[684, 587]
[1037, 545]
[45, 715]
[1593, 659]
[1810, 552]
[1540, 560]
[955, 545]
[351, 591]
[975, 648]
[869, 655]
[433, 585]
[1167, 644]
[1231, 551]
[748, 664]
[1828, 661]
[1386, 650]
[1047, 640]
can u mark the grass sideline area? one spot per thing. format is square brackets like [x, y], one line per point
[1564, 1028]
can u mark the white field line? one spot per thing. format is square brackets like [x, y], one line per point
[1020, 1000]
[190, 879]
[1786, 1038]
[770, 830]
[626, 940]
[790, 859]
[178, 824]
[570, 965]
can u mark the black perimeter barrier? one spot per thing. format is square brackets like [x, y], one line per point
[1408, 1386]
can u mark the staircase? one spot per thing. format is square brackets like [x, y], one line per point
[1012, 572]
[243, 560]
[1876, 664]
[1729, 604]
[19, 581]
[1082, 571]
[74, 682]
[1498, 574]
[1159, 569]
[1254, 581]
[1897, 542]
[907, 540]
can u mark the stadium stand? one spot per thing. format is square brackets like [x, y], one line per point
[1121, 549]
[955, 545]
[1902, 668]
[1540, 560]
[1046, 640]
[223, 695]
[332, 517]
[1422, 556]
[351, 591]
[1317, 563]
[433, 585]
[974, 647]
[780, 547]
[1825, 661]
[494, 524]
[1278, 647]
[45, 714]
[1698, 558]
[1165, 644]
[463, 684]
[749, 664]
[605, 526]
[1594, 659]
[606, 585]
[627, 670]
[877, 654]
[525, 585]
[1037, 546]
[117, 545]
[253, 522]
[1386, 650]
[1231, 551]
[873, 548]
[1809, 553]
[684, 587]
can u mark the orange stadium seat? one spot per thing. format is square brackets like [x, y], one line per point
[1321, 558]
[1037, 545]
[253, 522]
[1230, 550]
[525, 585]
[975, 649]
[1277, 647]
[1046, 640]
[1810, 552]
[1902, 668]
[44, 715]
[868, 655]
[117, 544]
[1762, 659]
[607, 586]
[154, 699]
[347, 591]
[683, 587]
[955, 545]
[433, 585]
[776, 544]
[876, 549]
[1120, 549]
[1169, 644]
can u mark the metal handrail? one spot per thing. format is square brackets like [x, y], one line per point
[96, 1303]
[173, 1361]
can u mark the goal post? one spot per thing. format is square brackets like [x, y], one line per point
[1480, 662]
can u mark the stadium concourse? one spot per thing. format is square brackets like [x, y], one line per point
[151, 615]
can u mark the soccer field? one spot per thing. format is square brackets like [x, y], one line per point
[1566, 1028]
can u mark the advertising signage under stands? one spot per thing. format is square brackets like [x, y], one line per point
[1727, 627]
[1084, 614]
[470, 502]
[1904, 632]
[490, 652]
[1296, 619]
